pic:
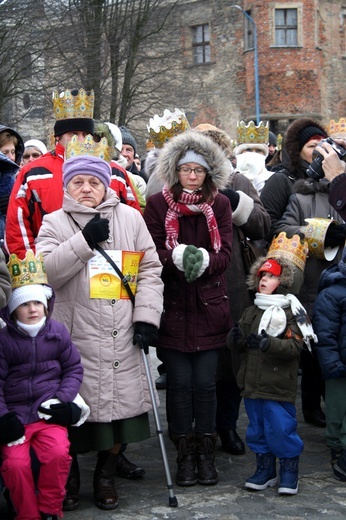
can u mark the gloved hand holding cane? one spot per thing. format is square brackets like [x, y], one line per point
[144, 335]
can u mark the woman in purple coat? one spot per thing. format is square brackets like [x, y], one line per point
[191, 224]
[40, 376]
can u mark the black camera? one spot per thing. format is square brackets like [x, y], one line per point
[315, 170]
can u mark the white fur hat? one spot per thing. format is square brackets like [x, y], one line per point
[28, 293]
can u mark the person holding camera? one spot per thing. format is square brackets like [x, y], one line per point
[290, 196]
[334, 168]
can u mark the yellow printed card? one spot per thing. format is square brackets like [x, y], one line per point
[104, 281]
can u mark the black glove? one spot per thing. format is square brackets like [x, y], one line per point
[11, 428]
[336, 235]
[144, 335]
[233, 197]
[4, 203]
[257, 341]
[235, 335]
[63, 414]
[96, 230]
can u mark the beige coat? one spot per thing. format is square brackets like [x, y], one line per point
[115, 385]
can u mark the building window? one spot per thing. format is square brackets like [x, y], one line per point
[249, 41]
[286, 27]
[201, 44]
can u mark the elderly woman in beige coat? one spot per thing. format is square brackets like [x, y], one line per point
[103, 327]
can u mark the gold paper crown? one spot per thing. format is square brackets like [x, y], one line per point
[28, 271]
[75, 148]
[163, 128]
[279, 142]
[337, 130]
[293, 249]
[68, 105]
[250, 133]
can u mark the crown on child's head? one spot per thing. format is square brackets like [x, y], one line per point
[163, 128]
[89, 147]
[29, 271]
[73, 104]
[292, 249]
[337, 130]
[251, 133]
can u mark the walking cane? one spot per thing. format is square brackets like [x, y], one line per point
[172, 500]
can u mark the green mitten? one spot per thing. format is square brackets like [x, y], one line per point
[193, 266]
[189, 250]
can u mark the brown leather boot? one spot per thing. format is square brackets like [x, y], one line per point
[104, 487]
[71, 500]
[186, 460]
[205, 444]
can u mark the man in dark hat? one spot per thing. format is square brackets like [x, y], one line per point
[38, 188]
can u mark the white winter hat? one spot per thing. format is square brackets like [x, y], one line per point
[36, 144]
[28, 293]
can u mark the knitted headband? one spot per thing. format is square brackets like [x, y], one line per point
[28, 293]
[36, 143]
[87, 165]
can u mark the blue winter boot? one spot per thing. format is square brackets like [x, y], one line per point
[265, 474]
[289, 476]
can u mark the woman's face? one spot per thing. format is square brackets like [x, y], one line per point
[30, 154]
[9, 150]
[191, 176]
[87, 190]
[308, 148]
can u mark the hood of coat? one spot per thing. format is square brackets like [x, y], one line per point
[310, 187]
[20, 146]
[330, 276]
[286, 277]
[194, 140]
[290, 149]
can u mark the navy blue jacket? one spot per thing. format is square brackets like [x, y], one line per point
[329, 322]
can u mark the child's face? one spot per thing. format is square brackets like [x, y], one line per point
[268, 283]
[30, 313]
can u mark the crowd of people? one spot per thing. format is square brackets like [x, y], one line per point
[179, 227]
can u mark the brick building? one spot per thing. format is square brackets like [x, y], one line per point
[301, 57]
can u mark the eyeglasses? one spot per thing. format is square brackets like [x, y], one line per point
[184, 170]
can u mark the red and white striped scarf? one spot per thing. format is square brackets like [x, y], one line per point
[188, 205]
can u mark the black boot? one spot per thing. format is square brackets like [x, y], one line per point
[104, 487]
[186, 460]
[231, 442]
[126, 469]
[205, 444]
[71, 500]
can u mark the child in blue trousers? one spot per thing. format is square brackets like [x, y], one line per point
[266, 345]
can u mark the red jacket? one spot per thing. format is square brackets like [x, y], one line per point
[38, 190]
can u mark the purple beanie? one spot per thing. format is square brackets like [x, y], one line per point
[87, 165]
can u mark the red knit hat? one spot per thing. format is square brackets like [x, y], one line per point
[270, 266]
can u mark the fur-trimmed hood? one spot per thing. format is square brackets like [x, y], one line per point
[286, 277]
[194, 140]
[290, 149]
